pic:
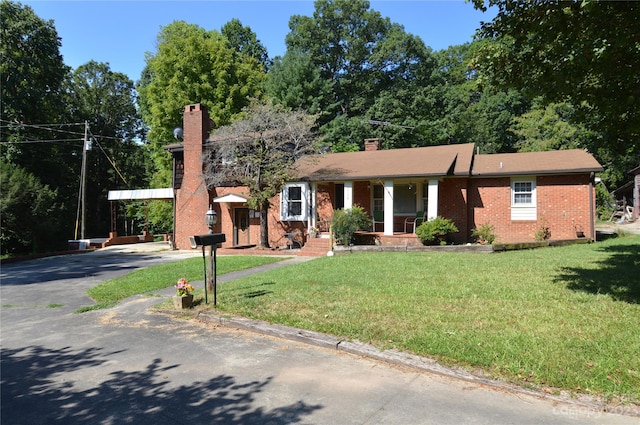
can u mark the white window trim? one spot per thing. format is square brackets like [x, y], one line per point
[284, 200]
[524, 211]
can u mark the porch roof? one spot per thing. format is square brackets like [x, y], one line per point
[548, 162]
[231, 198]
[431, 161]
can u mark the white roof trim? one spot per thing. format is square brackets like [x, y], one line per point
[126, 195]
[231, 197]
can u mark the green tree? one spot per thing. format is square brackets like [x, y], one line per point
[27, 212]
[295, 82]
[258, 151]
[550, 128]
[192, 65]
[585, 53]
[245, 41]
[361, 55]
[33, 135]
[31, 66]
[106, 101]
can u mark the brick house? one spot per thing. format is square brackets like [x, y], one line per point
[517, 193]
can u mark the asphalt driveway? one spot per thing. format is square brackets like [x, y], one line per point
[130, 365]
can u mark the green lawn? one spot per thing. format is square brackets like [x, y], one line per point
[554, 318]
[162, 276]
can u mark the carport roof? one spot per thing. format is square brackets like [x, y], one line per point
[140, 194]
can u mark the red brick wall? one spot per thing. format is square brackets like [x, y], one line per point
[362, 195]
[452, 204]
[562, 206]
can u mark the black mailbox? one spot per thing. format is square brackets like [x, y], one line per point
[208, 239]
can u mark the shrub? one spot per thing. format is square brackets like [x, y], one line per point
[435, 231]
[543, 233]
[346, 222]
[484, 234]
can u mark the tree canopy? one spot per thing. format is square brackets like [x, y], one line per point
[192, 65]
[585, 53]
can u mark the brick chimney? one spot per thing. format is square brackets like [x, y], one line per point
[372, 144]
[192, 199]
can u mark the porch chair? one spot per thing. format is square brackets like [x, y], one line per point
[378, 218]
[415, 221]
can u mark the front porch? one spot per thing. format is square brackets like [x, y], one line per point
[381, 239]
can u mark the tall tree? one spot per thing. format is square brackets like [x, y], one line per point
[192, 65]
[31, 66]
[586, 53]
[36, 149]
[258, 152]
[243, 40]
[295, 82]
[107, 101]
[361, 55]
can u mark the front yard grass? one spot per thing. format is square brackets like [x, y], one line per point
[162, 276]
[565, 318]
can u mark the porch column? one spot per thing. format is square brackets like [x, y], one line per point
[313, 209]
[388, 207]
[348, 195]
[432, 200]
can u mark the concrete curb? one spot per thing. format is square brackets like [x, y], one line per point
[394, 357]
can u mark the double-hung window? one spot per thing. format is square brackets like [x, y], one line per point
[293, 202]
[523, 199]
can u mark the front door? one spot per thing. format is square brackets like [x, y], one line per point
[241, 227]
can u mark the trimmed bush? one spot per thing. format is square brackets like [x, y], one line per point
[485, 234]
[435, 231]
[346, 222]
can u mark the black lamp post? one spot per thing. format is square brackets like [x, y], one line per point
[211, 240]
[211, 219]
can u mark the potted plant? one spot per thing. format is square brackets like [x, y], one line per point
[184, 294]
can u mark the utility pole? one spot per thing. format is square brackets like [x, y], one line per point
[82, 197]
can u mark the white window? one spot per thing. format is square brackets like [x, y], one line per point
[523, 199]
[294, 202]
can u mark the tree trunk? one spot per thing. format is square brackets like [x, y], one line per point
[264, 225]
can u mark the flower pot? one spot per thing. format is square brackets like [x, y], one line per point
[182, 302]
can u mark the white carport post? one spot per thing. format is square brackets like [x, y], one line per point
[432, 199]
[348, 195]
[388, 207]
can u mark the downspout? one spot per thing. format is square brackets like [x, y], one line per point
[592, 213]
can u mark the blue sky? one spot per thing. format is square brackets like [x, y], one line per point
[120, 32]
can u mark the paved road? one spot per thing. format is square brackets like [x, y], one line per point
[129, 365]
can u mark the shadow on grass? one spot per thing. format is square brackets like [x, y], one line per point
[42, 385]
[618, 276]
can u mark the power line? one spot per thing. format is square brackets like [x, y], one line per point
[113, 164]
[22, 142]
[19, 124]
[49, 127]
[387, 124]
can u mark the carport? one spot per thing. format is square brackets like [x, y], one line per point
[115, 196]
